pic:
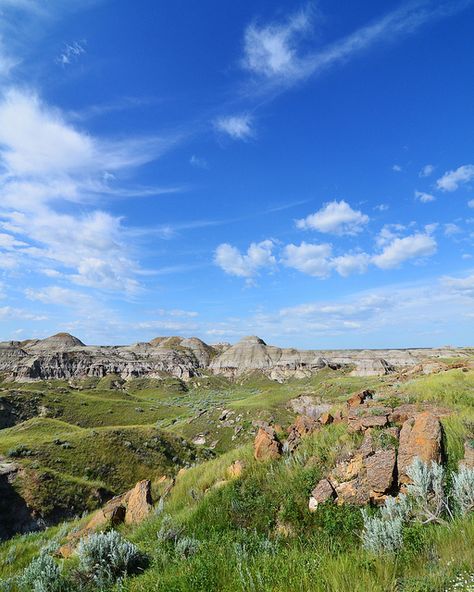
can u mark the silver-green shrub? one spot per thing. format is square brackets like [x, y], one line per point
[382, 534]
[427, 491]
[41, 575]
[106, 556]
[187, 547]
[463, 490]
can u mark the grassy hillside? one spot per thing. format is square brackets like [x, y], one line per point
[220, 533]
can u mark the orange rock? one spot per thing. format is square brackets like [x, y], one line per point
[359, 398]
[266, 445]
[419, 437]
[326, 418]
[139, 502]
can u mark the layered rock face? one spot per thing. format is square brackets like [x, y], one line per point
[63, 356]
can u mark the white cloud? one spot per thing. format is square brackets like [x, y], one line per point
[461, 286]
[46, 161]
[233, 262]
[198, 162]
[470, 203]
[399, 250]
[349, 264]
[238, 127]
[381, 207]
[58, 296]
[451, 180]
[397, 168]
[424, 197]
[309, 258]
[71, 52]
[271, 50]
[336, 217]
[427, 170]
[451, 229]
[11, 313]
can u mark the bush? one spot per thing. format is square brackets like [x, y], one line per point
[382, 534]
[426, 491]
[42, 575]
[106, 556]
[187, 547]
[169, 531]
[463, 490]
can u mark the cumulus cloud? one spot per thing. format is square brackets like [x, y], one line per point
[247, 265]
[349, 264]
[336, 217]
[309, 258]
[238, 127]
[451, 180]
[424, 197]
[470, 203]
[397, 168]
[399, 250]
[426, 171]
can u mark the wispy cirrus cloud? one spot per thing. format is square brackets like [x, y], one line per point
[274, 51]
[71, 52]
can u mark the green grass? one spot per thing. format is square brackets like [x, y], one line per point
[255, 532]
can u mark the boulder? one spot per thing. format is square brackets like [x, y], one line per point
[468, 460]
[419, 437]
[267, 446]
[360, 398]
[323, 492]
[380, 469]
[301, 427]
[139, 502]
[326, 419]
[356, 492]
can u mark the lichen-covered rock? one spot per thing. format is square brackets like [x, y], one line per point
[301, 427]
[323, 492]
[419, 437]
[360, 398]
[267, 446]
[380, 468]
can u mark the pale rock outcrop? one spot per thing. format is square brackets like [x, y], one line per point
[64, 356]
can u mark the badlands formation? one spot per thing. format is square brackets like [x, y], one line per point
[63, 356]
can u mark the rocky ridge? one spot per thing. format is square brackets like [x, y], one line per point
[63, 356]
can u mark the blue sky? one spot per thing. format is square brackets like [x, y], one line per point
[301, 172]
